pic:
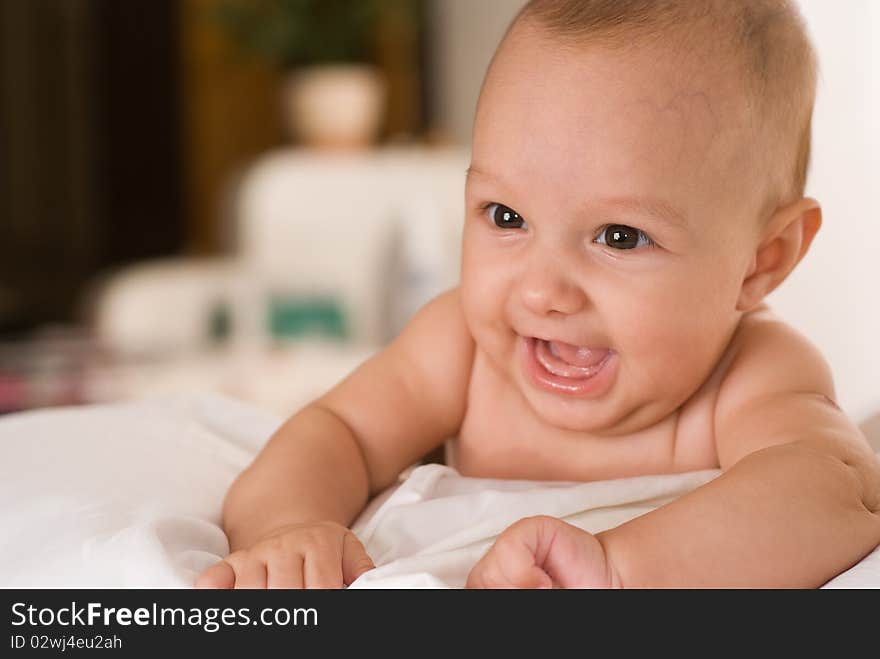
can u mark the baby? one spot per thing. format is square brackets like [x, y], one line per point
[635, 191]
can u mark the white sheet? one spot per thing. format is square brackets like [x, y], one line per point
[129, 495]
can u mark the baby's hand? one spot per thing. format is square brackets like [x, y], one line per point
[544, 552]
[315, 555]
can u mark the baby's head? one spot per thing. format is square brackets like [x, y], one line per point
[636, 185]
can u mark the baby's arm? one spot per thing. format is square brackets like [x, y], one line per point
[799, 499]
[286, 514]
[798, 502]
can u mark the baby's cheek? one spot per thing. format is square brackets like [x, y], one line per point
[660, 340]
[678, 356]
[477, 309]
[483, 288]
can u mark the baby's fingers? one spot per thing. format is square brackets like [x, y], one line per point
[515, 560]
[249, 572]
[355, 560]
[322, 566]
[219, 575]
[285, 572]
[507, 565]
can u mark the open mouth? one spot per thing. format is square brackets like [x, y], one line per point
[568, 369]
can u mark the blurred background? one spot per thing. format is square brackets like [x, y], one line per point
[252, 196]
[248, 196]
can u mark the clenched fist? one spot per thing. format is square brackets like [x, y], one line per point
[544, 552]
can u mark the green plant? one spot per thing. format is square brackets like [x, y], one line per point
[291, 33]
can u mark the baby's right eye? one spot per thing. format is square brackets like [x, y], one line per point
[504, 217]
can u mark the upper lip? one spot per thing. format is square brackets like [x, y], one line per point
[558, 340]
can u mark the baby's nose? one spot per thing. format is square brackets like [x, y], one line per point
[546, 289]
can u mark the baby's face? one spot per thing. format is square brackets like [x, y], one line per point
[610, 206]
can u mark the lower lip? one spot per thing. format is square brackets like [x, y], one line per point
[592, 386]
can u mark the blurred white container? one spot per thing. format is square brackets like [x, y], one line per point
[380, 230]
[428, 262]
[376, 232]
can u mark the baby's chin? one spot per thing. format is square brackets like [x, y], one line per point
[613, 414]
[596, 418]
[591, 417]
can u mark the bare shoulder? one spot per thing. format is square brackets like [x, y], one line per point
[436, 353]
[770, 355]
[411, 396]
[778, 385]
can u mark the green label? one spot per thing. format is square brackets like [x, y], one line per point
[297, 316]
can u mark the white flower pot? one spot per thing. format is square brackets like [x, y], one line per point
[335, 106]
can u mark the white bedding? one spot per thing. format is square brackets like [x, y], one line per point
[129, 495]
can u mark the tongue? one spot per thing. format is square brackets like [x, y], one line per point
[577, 355]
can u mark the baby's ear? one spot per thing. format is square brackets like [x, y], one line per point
[784, 242]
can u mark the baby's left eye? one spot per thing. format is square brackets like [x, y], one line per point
[504, 217]
[620, 236]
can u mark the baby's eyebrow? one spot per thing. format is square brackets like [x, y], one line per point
[470, 171]
[656, 208]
